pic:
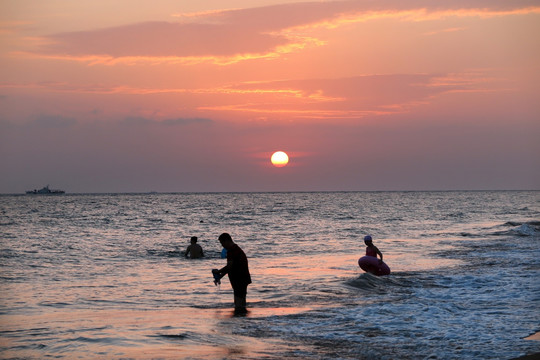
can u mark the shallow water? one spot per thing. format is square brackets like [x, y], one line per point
[90, 276]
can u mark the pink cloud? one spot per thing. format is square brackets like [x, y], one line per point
[250, 33]
[347, 98]
[342, 98]
[163, 39]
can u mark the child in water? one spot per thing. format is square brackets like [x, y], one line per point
[194, 250]
[371, 249]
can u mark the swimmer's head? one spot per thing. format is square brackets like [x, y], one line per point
[367, 239]
[193, 239]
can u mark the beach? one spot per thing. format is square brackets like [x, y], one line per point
[104, 276]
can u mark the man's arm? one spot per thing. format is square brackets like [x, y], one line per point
[224, 270]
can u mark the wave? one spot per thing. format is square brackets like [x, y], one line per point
[8, 254]
[365, 282]
[208, 254]
[509, 228]
[378, 284]
[164, 253]
[516, 223]
[458, 215]
[471, 235]
[171, 336]
[529, 228]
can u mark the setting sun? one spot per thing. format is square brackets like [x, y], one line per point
[279, 159]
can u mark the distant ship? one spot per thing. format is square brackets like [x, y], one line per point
[45, 191]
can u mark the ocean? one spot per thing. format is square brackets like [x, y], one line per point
[103, 276]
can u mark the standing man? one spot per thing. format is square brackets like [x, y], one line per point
[238, 271]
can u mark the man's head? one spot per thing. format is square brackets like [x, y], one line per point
[226, 240]
[193, 239]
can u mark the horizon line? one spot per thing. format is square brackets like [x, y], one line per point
[264, 192]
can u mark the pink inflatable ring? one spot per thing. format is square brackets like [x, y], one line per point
[373, 266]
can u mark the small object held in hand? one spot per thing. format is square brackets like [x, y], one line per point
[217, 277]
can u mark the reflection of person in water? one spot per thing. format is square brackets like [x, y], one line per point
[371, 249]
[194, 250]
[238, 271]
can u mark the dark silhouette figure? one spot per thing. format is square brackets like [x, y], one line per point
[194, 250]
[238, 271]
[371, 249]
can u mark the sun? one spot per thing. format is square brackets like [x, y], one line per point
[279, 159]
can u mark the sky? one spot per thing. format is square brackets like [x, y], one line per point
[195, 96]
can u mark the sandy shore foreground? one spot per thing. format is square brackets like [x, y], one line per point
[535, 337]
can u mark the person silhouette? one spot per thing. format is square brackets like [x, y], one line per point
[238, 270]
[372, 250]
[194, 251]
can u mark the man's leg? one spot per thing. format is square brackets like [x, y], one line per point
[240, 292]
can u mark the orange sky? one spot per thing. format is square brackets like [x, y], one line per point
[100, 96]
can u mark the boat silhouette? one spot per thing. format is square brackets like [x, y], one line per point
[45, 191]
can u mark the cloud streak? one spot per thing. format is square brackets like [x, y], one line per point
[230, 36]
[352, 97]
[142, 121]
[345, 98]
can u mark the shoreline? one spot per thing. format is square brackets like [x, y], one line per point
[534, 356]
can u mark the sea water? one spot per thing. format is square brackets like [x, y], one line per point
[104, 276]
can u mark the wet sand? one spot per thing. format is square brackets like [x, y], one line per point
[165, 334]
[535, 356]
